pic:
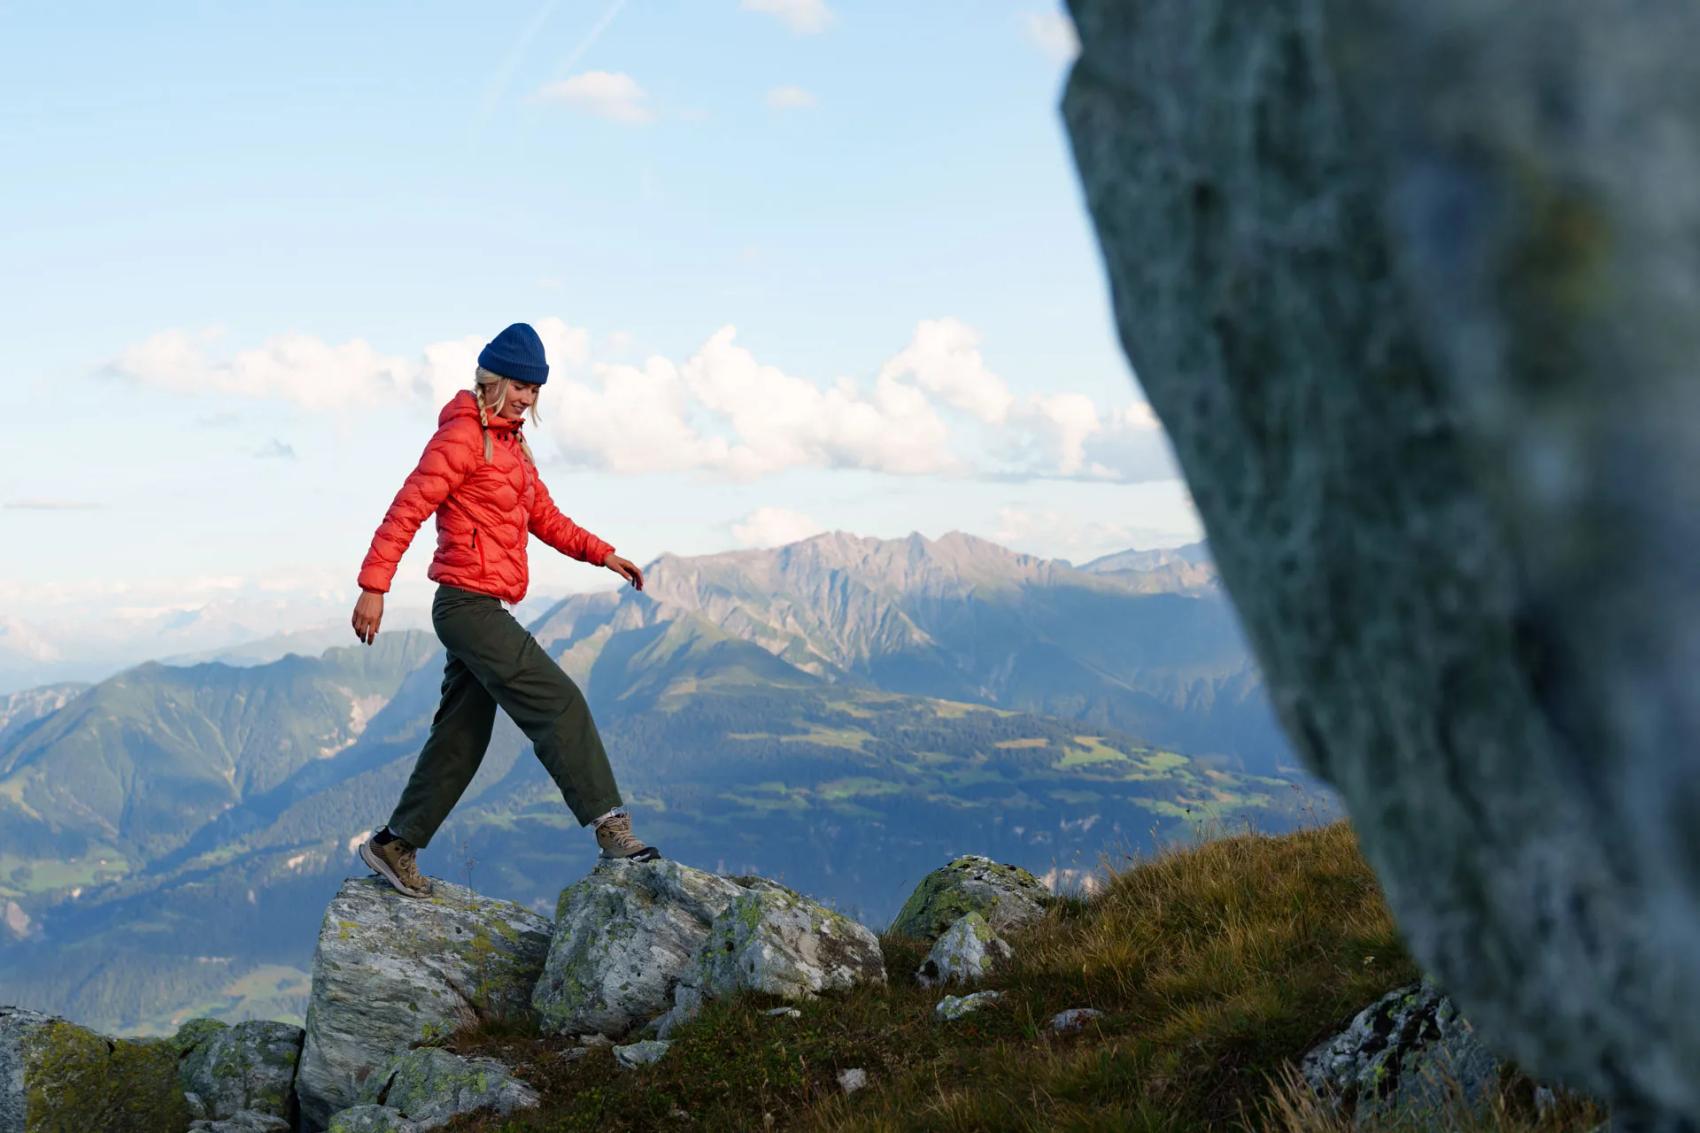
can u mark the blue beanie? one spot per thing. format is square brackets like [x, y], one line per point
[516, 353]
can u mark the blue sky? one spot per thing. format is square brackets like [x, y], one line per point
[251, 248]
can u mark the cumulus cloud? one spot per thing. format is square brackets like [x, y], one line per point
[933, 408]
[1053, 33]
[774, 527]
[1170, 522]
[613, 95]
[275, 449]
[790, 98]
[805, 17]
[319, 375]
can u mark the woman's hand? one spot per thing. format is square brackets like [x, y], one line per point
[625, 568]
[368, 612]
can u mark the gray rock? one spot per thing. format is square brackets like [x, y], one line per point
[62, 1076]
[954, 1007]
[242, 1121]
[632, 1055]
[1414, 291]
[783, 1013]
[430, 1087]
[1007, 896]
[623, 936]
[1073, 1020]
[852, 1080]
[1399, 1058]
[967, 953]
[226, 1070]
[393, 971]
[370, 1119]
[774, 940]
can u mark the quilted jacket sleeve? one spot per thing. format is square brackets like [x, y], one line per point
[450, 455]
[561, 533]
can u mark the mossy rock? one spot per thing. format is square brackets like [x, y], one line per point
[1006, 895]
[57, 1077]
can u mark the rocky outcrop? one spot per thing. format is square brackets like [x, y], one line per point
[967, 953]
[954, 1007]
[391, 972]
[635, 941]
[622, 938]
[1413, 289]
[250, 1067]
[1007, 896]
[1401, 1059]
[429, 1087]
[55, 1075]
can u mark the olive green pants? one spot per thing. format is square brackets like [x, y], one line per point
[493, 660]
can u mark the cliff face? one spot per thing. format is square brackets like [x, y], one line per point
[1415, 290]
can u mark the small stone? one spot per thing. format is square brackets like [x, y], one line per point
[1545, 1101]
[967, 953]
[954, 1007]
[1074, 1019]
[595, 1040]
[633, 1055]
[853, 1079]
[783, 1013]
[1007, 896]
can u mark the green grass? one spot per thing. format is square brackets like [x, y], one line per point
[1091, 749]
[1217, 965]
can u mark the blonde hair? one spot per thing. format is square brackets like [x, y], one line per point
[490, 390]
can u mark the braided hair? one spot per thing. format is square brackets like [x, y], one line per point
[498, 396]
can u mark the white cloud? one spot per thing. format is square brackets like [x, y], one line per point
[773, 527]
[934, 408]
[944, 357]
[51, 505]
[1053, 33]
[613, 95]
[1164, 507]
[321, 376]
[790, 98]
[276, 449]
[805, 17]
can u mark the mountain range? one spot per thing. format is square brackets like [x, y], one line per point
[843, 713]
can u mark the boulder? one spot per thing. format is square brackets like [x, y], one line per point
[55, 1075]
[1007, 896]
[967, 953]
[242, 1121]
[852, 1079]
[623, 936]
[1400, 1059]
[771, 939]
[1413, 290]
[226, 1070]
[370, 1119]
[430, 1087]
[391, 972]
[954, 1007]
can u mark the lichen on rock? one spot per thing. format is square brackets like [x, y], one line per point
[57, 1077]
[228, 1069]
[391, 972]
[429, 1087]
[1007, 896]
[968, 952]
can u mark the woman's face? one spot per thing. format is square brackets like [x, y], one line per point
[521, 396]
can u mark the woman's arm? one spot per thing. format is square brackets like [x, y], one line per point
[561, 533]
[450, 455]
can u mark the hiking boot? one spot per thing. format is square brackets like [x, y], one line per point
[614, 835]
[394, 862]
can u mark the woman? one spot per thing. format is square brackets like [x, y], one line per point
[478, 477]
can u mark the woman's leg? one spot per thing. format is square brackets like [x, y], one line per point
[460, 733]
[545, 702]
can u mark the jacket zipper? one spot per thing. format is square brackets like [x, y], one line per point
[480, 551]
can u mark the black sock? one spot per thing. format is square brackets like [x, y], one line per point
[383, 837]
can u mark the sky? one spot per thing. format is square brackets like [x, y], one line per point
[799, 265]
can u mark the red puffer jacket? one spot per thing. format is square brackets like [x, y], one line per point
[484, 510]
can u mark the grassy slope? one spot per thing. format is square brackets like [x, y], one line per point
[1215, 965]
